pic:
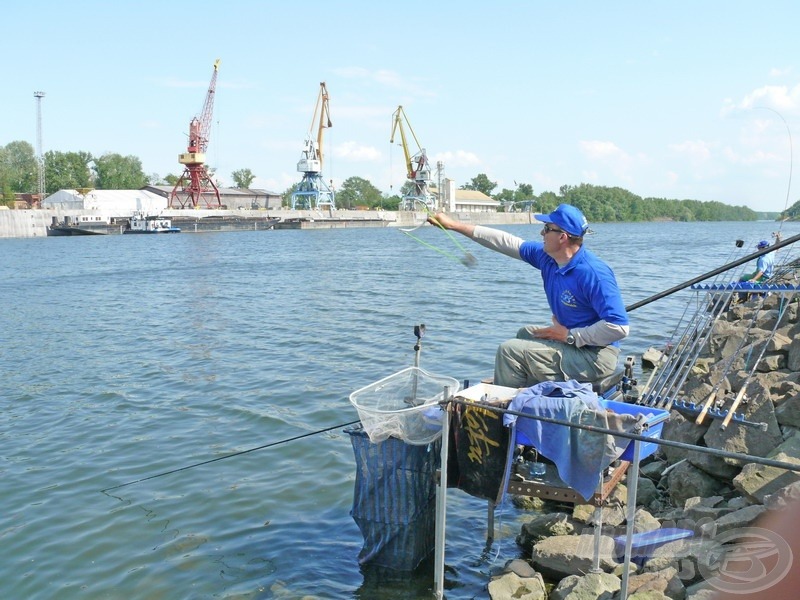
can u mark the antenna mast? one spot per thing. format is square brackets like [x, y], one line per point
[40, 155]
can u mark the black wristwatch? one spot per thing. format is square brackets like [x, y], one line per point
[570, 338]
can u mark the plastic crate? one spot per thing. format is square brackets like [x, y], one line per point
[404, 406]
[655, 422]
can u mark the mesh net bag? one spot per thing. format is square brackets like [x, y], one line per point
[403, 405]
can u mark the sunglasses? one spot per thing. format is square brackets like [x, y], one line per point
[548, 229]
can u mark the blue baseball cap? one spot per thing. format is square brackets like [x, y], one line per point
[568, 218]
[762, 244]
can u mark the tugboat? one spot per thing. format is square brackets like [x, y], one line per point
[140, 223]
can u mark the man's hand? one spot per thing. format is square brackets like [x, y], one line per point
[441, 220]
[557, 332]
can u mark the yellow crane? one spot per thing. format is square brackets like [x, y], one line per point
[312, 191]
[418, 170]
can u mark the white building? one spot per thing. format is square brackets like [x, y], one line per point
[110, 203]
[456, 200]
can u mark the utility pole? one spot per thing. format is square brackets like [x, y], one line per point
[40, 157]
[439, 191]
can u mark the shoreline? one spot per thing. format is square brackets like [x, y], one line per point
[28, 223]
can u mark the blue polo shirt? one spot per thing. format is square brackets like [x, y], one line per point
[766, 264]
[580, 293]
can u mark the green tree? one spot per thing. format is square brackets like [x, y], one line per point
[171, 179]
[117, 172]
[7, 198]
[480, 183]
[286, 197]
[243, 178]
[357, 191]
[67, 170]
[19, 169]
[391, 202]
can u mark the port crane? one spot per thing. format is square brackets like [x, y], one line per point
[195, 185]
[312, 191]
[417, 166]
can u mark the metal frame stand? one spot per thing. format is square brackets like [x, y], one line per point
[441, 507]
[633, 486]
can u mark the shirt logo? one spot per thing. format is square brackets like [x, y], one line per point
[567, 299]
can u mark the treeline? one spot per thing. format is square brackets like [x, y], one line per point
[607, 204]
[19, 170]
[604, 204]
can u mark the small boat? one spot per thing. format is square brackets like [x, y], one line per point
[140, 223]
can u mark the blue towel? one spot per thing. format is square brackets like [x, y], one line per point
[581, 456]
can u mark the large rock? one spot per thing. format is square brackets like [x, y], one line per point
[689, 557]
[784, 497]
[664, 582]
[591, 586]
[687, 481]
[559, 556]
[681, 429]
[735, 520]
[544, 526]
[745, 439]
[793, 355]
[787, 412]
[518, 582]
[757, 482]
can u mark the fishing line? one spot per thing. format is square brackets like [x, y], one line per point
[432, 247]
[206, 462]
[791, 159]
[467, 260]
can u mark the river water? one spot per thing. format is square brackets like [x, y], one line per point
[125, 357]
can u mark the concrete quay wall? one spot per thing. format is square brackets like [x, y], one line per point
[34, 223]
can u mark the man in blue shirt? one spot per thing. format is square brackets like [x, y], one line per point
[765, 265]
[588, 315]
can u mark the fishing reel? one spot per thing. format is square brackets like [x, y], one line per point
[419, 331]
[630, 389]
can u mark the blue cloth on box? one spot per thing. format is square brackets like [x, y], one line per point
[581, 456]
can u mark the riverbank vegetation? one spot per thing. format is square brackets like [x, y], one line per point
[19, 173]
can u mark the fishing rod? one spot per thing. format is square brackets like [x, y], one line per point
[699, 337]
[728, 364]
[206, 462]
[694, 332]
[745, 383]
[668, 356]
[717, 271]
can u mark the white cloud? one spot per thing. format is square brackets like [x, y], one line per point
[595, 149]
[385, 78]
[696, 151]
[780, 98]
[459, 158]
[779, 72]
[353, 152]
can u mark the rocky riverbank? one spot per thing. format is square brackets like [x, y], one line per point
[715, 499]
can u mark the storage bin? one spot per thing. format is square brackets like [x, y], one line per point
[655, 422]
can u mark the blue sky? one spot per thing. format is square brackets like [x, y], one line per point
[672, 99]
